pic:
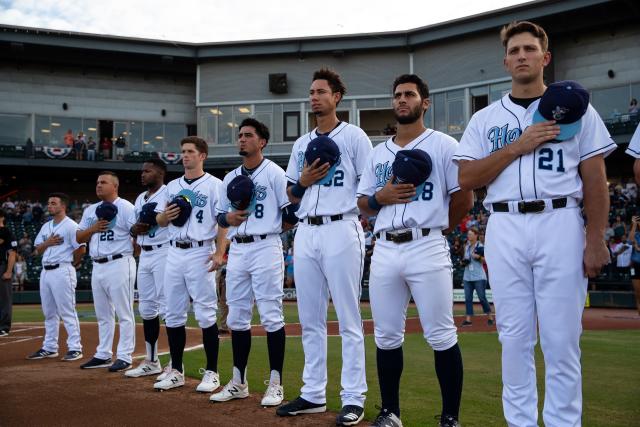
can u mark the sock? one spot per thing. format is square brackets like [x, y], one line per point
[275, 344]
[241, 345]
[390, 364]
[211, 344]
[177, 340]
[151, 329]
[449, 372]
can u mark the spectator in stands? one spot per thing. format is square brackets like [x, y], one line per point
[8, 205]
[121, 143]
[634, 239]
[28, 149]
[91, 150]
[80, 146]
[105, 148]
[19, 272]
[288, 262]
[619, 227]
[68, 139]
[25, 246]
[37, 213]
[474, 277]
[633, 106]
[608, 232]
[621, 253]
[8, 246]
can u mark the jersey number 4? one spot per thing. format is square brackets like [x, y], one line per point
[546, 160]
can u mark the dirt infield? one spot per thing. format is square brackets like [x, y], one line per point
[52, 392]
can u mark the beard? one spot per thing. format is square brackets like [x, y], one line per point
[243, 153]
[413, 116]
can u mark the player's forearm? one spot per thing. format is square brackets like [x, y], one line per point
[459, 205]
[474, 174]
[636, 170]
[596, 197]
[83, 236]
[11, 261]
[292, 198]
[221, 241]
[41, 248]
[162, 219]
[363, 205]
[78, 254]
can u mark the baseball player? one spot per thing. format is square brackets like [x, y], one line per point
[329, 253]
[188, 210]
[105, 226]
[411, 220]
[255, 269]
[540, 152]
[61, 253]
[154, 245]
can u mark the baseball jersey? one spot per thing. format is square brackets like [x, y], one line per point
[271, 196]
[549, 171]
[157, 235]
[430, 208]
[63, 252]
[338, 196]
[634, 144]
[204, 194]
[623, 259]
[116, 240]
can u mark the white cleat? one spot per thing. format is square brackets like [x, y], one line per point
[210, 381]
[166, 371]
[274, 394]
[173, 380]
[231, 391]
[146, 367]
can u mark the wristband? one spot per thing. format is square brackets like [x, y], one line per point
[297, 190]
[373, 203]
[222, 220]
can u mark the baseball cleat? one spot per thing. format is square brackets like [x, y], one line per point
[166, 371]
[386, 419]
[42, 354]
[273, 396]
[350, 415]
[210, 381]
[119, 365]
[231, 391]
[96, 363]
[72, 355]
[448, 421]
[173, 380]
[300, 406]
[146, 367]
[466, 323]
[4, 333]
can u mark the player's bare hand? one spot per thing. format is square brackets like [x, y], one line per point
[236, 218]
[596, 256]
[140, 228]
[533, 136]
[54, 240]
[6, 275]
[635, 219]
[100, 226]
[392, 194]
[313, 172]
[171, 212]
[216, 260]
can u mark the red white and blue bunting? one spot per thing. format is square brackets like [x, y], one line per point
[56, 152]
[170, 158]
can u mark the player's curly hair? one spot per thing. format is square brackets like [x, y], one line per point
[519, 27]
[261, 129]
[334, 80]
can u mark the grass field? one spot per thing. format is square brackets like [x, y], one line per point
[611, 380]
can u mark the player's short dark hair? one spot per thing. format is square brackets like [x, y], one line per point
[110, 173]
[519, 27]
[423, 89]
[201, 144]
[162, 166]
[334, 80]
[64, 199]
[261, 129]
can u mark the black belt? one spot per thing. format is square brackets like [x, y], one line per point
[188, 245]
[107, 258]
[319, 220]
[51, 266]
[405, 236]
[249, 239]
[148, 248]
[535, 206]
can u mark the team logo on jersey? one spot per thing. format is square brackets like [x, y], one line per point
[501, 136]
[301, 161]
[559, 112]
[197, 199]
[261, 192]
[383, 173]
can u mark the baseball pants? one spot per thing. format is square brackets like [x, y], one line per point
[58, 296]
[6, 300]
[151, 282]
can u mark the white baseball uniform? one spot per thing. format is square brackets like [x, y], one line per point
[535, 260]
[422, 266]
[255, 269]
[328, 260]
[58, 284]
[634, 145]
[113, 279]
[153, 258]
[186, 272]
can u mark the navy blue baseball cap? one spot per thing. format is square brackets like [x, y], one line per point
[565, 102]
[241, 193]
[148, 214]
[411, 167]
[107, 211]
[325, 149]
[184, 203]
